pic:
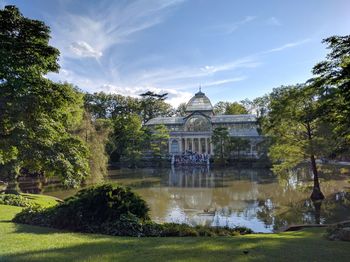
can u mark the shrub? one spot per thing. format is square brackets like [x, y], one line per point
[90, 210]
[16, 200]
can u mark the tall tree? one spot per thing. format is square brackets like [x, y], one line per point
[153, 105]
[296, 125]
[102, 105]
[126, 137]
[95, 133]
[36, 115]
[181, 109]
[332, 77]
[158, 141]
[228, 108]
[238, 144]
[220, 140]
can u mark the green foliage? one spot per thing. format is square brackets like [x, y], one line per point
[158, 141]
[227, 108]
[296, 126]
[332, 77]
[90, 210]
[37, 115]
[181, 109]
[153, 105]
[238, 144]
[126, 138]
[16, 200]
[95, 133]
[102, 105]
[221, 137]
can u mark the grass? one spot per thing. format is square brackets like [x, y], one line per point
[42, 200]
[30, 243]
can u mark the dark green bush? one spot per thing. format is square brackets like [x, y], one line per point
[90, 210]
[112, 210]
[15, 200]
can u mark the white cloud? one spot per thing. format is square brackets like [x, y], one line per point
[174, 97]
[288, 45]
[106, 24]
[229, 28]
[247, 62]
[224, 81]
[84, 49]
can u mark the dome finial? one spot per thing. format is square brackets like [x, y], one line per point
[200, 88]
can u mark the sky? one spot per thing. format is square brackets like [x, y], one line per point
[233, 49]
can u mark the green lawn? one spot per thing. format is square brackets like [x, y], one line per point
[30, 243]
[42, 200]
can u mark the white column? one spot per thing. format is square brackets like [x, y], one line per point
[169, 145]
[206, 145]
[192, 144]
[186, 146]
[180, 144]
[200, 145]
[211, 147]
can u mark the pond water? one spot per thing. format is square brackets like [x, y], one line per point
[255, 198]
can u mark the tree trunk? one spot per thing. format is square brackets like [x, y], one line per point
[317, 205]
[316, 191]
[12, 187]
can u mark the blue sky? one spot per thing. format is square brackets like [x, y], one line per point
[233, 49]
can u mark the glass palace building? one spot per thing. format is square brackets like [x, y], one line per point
[193, 132]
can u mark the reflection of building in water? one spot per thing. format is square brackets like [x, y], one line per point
[209, 197]
[193, 132]
[199, 176]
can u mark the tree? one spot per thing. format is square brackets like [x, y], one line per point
[158, 141]
[259, 106]
[36, 115]
[95, 133]
[220, 137]
[296, 126]
[102, 105]
[235, 108]
[153, 105]
[332, 78]
[227, 108]
[238, 144]
[181, 109]
[126, 137]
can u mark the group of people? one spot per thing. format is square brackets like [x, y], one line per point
[190, 158]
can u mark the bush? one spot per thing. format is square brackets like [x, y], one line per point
[16, 200]
[90, 210]
[112, 210]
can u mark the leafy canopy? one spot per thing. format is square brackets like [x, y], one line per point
[36, 115]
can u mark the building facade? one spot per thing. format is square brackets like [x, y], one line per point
[193, 132]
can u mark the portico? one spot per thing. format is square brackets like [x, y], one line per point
[200, 144]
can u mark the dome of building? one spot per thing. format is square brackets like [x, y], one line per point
[200, 102]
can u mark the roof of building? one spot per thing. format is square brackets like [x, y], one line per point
[200, 102]
[232, 118]
[166, 121]
[214, 119]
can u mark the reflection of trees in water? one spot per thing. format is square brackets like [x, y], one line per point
[334, 208]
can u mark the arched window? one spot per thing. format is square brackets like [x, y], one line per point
[198, 123]
[174, 146]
